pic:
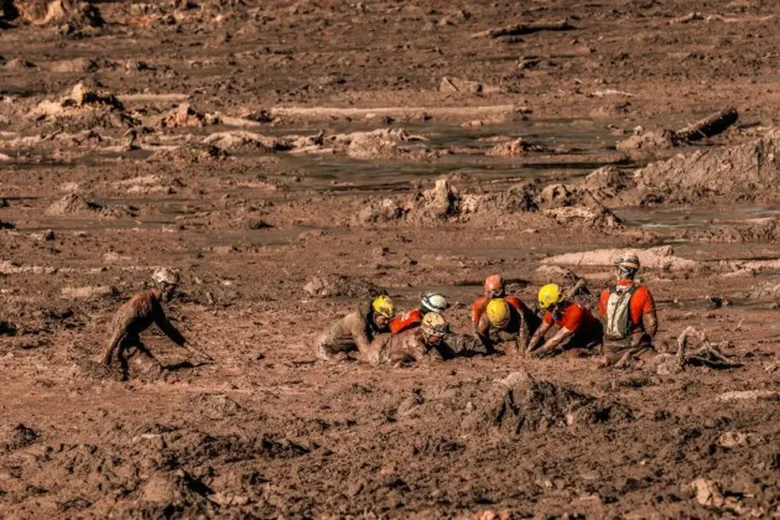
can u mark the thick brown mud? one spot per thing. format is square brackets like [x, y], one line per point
[290, 158]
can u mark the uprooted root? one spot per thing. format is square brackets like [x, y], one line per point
[705, 355]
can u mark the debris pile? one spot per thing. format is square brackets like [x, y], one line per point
[74, 205]
[653, 258]
[326, 286]
[520, 403]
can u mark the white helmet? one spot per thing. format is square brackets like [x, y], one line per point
[165, 277]
[434, 302]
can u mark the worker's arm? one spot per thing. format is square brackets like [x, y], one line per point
[483, 333]
[360, 338]
[538, 335]
[556, 341]
[167, 327]
[524, 333]
[172, 332]
[650, 318]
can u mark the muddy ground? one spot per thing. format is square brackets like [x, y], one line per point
[258, 147]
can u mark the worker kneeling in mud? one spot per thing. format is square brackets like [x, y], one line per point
[431, 302]
[424, 343]
[137, 315]
[579, 331]
[494, 288]
[628, 309]
[506, 321]
[356, 330]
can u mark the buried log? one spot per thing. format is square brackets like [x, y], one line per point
[525, 28]
[711, 125]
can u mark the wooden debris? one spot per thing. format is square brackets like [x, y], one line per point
[711, 125]
[525, 28]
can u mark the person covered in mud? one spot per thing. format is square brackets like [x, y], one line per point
[494, 288]
[420, 344]
[431, 302]
[356, 330]
[137, 315]
[630, 320]
[579, 331]
[506, 322]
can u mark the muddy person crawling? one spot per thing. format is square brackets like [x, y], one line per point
[418, 345]
[356, 330]
[137, 315]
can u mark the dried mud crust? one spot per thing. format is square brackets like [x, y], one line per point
[291, 160]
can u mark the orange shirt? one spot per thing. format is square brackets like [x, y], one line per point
[641, 303]
[577, 319]
[479, 306]
[406, 321]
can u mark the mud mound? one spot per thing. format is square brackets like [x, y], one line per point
[191, 153]
[338, 285]
[754, 230]
[170, 495]
[73, 205]
[644, 142]
[515, 148]
[763, 291]
[520, 403]
[607, 182]
[653, 258]
[46, 12]
[84, 102]
[16, 437]
[743, 170]
[184, 116]
[241, 140]
[216, 406]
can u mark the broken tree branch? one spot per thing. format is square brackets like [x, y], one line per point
[525, 28]
[709, 126]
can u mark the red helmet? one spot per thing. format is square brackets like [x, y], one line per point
[494, 283]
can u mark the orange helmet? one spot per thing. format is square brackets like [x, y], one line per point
[494, 284]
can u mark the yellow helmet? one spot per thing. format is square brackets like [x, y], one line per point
[498, 313]
[383, 305]
[550, 295]
[434, 324]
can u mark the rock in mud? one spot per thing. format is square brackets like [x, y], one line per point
[440, 202]
[462, 86]
[89, 292]
[380, 211]
[743, 170]
[76, 206]
[46, 12]
[191, 153]
[654, 258]
[16, 437]
[648, 142]
[326, 286]
[763, 291]
[736, 439]
[708, 492]
[378, 144]
[242, 140]
[749, 395]
[184, 116]
[520, 403]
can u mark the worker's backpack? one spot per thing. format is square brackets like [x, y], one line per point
[618, 324]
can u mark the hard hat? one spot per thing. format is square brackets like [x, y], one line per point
[549, 295]
[494, 282]
[498, 313]
[165, 277]
[435, 302]
[628, 261]
[383, 305]
[434, 324]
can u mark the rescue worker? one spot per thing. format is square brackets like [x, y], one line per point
[420, 344]
[137, 315]
[507, 320]
[628, 309]
[579, 331]
[431, 302]
[356, 330]
[494, 288]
